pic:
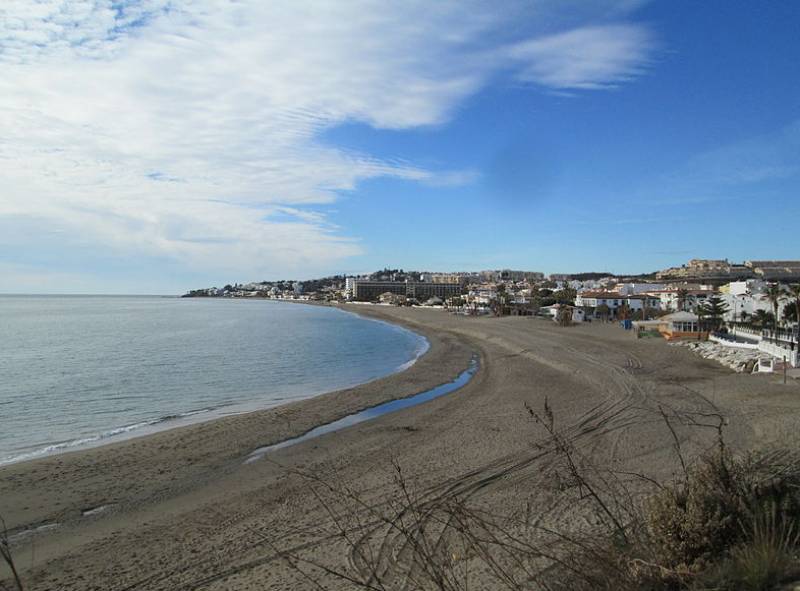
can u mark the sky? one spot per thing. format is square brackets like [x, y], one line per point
[155, 146]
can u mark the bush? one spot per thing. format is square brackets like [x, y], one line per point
[721, 504]
[728, 523]
[763, 561]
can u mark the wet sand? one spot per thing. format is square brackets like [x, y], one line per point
[181, 510]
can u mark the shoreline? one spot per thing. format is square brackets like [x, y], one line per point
[438, 364]
[182, 510]
[145, 428]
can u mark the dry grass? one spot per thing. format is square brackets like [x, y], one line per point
[8, 559]
[727, 523]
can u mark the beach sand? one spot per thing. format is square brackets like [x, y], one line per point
[180, 509]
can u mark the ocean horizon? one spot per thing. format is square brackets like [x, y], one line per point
[85, 370]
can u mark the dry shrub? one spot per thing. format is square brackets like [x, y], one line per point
[764, 560]
[698, 521]
[728, 523]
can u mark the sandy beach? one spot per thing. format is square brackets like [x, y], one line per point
[181, 510]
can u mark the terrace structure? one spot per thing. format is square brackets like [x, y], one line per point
[681, 325]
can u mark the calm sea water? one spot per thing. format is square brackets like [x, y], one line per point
[78, 370]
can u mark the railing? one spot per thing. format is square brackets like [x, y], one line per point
[775, 335]
[780, 351]
[780, 335]
[728, 341]
[748, 330]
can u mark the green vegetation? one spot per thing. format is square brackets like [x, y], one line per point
[792, 313]
[590, 276]
[763, 319]
[713, 310]
[566, 295]
[682, 296]
[775, 295]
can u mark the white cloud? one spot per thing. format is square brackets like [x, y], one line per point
[592, 57]
[190, 128]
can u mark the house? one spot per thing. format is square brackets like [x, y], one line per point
[745, 298]
[615, 300]
[670, 299]
[482, 296]
[681, 325]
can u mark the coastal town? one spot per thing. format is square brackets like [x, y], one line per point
[748, 307]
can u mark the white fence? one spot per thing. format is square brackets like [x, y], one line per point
[780, 352]
[732, 344]
[747, 332]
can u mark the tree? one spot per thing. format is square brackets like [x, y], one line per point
[502, 296]
[564, 315]
[603, 311]
[700, 321]
[714, 309]
[682, 296]
[623, 312]
[775, 295]
[566, 295]
[794, 292]
[762, 318]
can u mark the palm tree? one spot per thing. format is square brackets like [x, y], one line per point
[682, 294]
[794, 292]
[623, 312]
[700, 313]
[762, 318]
[775, 295]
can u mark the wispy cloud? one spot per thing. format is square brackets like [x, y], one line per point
[734, 170]
[772, 156]
[188, 128]
[592, 57]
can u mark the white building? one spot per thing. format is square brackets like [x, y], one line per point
[670, 298]
[482, 297]
[638, 288]
[615, 300]
[745, 298]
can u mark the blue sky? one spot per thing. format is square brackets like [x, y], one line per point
[156, 146]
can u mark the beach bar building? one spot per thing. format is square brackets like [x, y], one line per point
[681, 325]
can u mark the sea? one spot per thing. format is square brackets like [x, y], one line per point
[78, 371]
